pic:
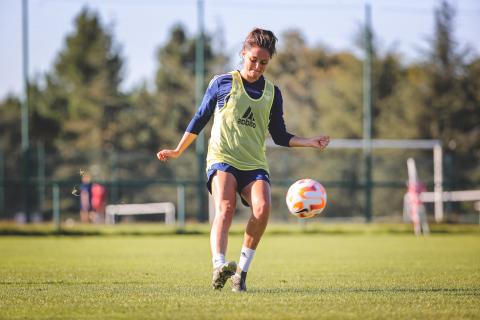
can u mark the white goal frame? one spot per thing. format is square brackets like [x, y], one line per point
[417, 144]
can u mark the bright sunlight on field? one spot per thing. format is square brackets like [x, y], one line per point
[294, 276]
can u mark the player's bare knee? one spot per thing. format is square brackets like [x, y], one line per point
[261, 210]
[225, 210]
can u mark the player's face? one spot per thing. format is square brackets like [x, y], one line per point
[255, 62]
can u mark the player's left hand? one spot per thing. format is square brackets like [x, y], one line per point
[320, 142]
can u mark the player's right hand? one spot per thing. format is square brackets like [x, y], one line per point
[164, 155]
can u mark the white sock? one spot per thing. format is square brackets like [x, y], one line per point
[218, 259]
[246, 257]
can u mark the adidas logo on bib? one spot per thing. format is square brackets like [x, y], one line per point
[247, 119]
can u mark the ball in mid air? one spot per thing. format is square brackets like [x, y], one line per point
[306, 198]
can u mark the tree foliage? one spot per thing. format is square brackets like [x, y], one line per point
[81, 115]
[451, 108]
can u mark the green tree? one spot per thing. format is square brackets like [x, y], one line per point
[86, 78]
[452, 111]
[397, 98]
[10, 135]
[77, 107]
[10, 142]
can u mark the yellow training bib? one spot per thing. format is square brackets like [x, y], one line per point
[240, 128]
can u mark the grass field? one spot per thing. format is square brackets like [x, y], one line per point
[296, 276]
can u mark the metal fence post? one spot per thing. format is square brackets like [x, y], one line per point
[56, 206]
[181, 205]
[41, 175]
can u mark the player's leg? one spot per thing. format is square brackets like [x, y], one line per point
[224, 186]
[258, 196]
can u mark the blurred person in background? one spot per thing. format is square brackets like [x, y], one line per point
[99, 202]
[86, 198]
[93, 200]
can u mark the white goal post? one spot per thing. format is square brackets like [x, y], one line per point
[167, 208]
[447, 196]
[418, 144]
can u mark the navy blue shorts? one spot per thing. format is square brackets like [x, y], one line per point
[243, 177]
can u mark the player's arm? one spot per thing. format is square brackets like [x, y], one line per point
[318, 142]
[276, 126]
[186, 140]
[201, 118]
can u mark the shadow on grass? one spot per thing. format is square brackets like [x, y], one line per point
[97, 232]
[10, 229]
[395, 290]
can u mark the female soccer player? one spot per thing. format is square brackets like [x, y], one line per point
[245, 106]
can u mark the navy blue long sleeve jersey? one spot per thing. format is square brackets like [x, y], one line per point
[220, 87]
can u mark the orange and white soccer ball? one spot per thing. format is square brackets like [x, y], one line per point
[306, 198]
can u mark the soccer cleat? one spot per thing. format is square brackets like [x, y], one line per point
[222, 273]
[239, 281]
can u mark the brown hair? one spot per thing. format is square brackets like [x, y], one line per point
[264, 39]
